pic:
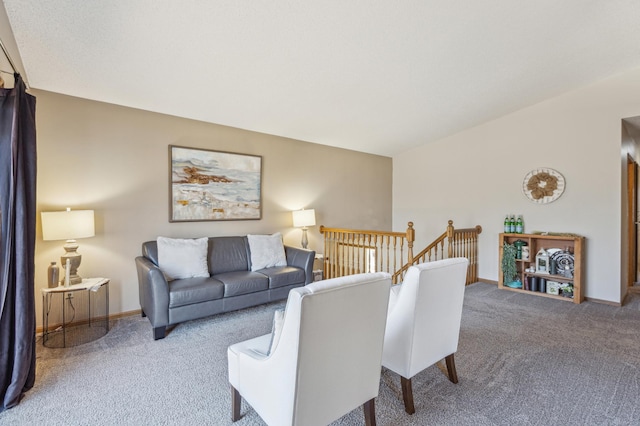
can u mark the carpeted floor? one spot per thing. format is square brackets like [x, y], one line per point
[522, 360]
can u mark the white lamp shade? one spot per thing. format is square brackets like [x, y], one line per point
[303, 218]
[67, 225]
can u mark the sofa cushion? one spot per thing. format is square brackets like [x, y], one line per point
[183, 258]
[266, 251]
[194, 290]
[242, 282]
[281, 276]
[228, 254]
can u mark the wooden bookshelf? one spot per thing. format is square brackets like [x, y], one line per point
[559, 247]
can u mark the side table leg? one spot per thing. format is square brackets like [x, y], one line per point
[64, 320]
[107, 306]
[44, 319]
[89, 292]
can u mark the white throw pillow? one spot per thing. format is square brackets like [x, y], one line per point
[183, 258]
[266, 251]
[276, 330]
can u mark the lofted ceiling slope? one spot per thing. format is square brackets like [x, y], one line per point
[369, 75]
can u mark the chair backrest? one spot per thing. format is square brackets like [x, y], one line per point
[423, 324]
[333, 334]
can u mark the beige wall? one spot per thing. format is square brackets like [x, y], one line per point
[475, 177]
[114, 160]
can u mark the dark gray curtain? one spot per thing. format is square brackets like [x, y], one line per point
[17, 243]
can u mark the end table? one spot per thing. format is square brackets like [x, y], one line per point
[76, 314]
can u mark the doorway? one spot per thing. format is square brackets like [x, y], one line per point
[631, 205]
[633, 225]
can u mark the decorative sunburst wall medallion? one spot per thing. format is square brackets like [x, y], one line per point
[543, 185]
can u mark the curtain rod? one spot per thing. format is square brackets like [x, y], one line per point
[15, 69]
[4, 49]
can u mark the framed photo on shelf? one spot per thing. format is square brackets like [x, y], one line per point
[213, 185]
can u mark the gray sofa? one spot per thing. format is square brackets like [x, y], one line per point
[231, 285]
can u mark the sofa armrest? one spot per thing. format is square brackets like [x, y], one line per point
[301, 258]
[153, 292]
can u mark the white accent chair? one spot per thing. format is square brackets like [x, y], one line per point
[423, 324]
[327, 360]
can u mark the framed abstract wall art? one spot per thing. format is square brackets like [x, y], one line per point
[213, 185]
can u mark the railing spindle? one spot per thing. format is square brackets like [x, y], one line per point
[349, 251]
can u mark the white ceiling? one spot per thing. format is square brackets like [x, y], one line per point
[368, 75]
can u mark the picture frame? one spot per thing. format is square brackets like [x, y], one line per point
[208, 185]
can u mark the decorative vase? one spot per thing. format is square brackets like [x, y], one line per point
[53, 273]
[533, 285]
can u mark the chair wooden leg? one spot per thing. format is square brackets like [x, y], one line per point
[451, 368]
[236, 399]
[369, 412]
[407, 395]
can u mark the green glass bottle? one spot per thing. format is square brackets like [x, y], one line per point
[519, 225]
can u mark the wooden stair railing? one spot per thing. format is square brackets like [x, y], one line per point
[352, 251]
[459, 242]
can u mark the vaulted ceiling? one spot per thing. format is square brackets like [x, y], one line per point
[368, 75]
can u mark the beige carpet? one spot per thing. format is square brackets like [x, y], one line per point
[522, 360]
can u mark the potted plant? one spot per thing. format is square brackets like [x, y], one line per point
[509, 269]
[567, 291]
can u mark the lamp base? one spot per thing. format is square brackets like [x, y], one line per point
[305, 241]
[74, 259]
[73, 279]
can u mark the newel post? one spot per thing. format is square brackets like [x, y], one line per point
[450, 239]
[411, 236]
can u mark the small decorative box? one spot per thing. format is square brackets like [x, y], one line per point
[553, 287]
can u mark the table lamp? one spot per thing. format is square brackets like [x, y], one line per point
[69, 225]
[303, 218]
